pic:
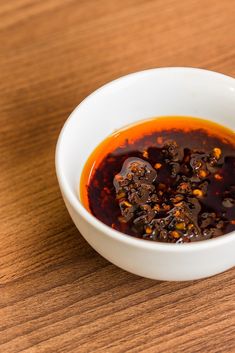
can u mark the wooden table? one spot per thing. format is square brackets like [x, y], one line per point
[57, 294]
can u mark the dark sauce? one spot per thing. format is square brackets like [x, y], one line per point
[169, 180]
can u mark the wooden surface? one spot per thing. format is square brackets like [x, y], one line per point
[57, 294]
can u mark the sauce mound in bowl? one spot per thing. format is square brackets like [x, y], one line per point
[168, 179]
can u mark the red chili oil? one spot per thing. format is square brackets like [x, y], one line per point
[164, 179]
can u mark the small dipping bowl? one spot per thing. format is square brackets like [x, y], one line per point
[141, 95]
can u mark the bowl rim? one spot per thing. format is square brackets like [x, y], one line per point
[102, 227]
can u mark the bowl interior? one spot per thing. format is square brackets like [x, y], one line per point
[157, 92]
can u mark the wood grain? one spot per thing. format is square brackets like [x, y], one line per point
[57, 294]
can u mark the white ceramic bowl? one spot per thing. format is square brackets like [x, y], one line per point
[150, 93]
